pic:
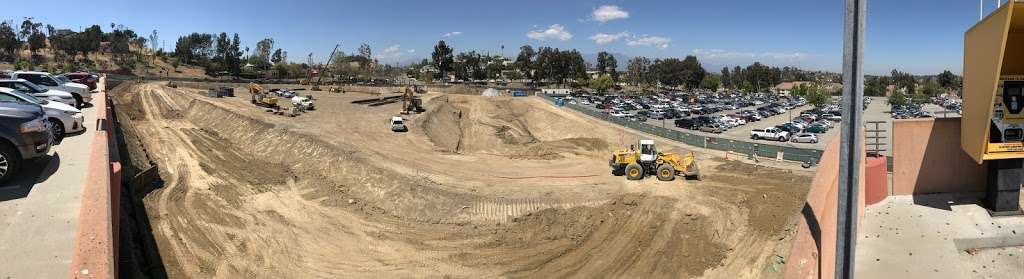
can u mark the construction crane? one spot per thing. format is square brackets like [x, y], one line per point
[316, 86]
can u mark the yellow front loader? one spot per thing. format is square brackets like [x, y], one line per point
[644, 159]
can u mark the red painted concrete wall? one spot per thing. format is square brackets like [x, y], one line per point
[95, 250]
[927, 158]
[814, 247]
[876, 178]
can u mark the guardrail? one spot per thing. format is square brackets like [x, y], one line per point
[96, 239]
[813, 156]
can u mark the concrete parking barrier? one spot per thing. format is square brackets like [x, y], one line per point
[96, 240]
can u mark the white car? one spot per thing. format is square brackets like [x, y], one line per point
[66, 119]
[398, 124]
[39, 92]
[619, 114]
[805, 138]
[79, 91]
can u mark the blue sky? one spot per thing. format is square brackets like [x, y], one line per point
[923, 37]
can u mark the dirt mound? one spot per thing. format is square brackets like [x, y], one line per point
[513, 127]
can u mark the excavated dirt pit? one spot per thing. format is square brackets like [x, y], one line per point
[479, 187]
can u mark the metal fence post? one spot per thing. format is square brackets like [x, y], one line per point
[850, 152]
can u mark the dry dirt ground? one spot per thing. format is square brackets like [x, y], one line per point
[479, 187]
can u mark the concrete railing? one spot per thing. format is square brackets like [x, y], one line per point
[96, 241]
[929, 159]
[814, 247]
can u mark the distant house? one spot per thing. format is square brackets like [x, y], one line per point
[786, 88]
[429, 69]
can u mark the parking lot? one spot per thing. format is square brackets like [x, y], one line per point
[39, 209]
[743, 132]
[878, 111]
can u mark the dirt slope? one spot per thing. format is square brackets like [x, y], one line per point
[332, 194]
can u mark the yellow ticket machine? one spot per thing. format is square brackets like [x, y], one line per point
[992, 128]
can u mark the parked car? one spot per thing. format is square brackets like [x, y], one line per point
[38, 91]
[398, 125]
[769, 133]
[817, 129]
[832, 117]
[63, 118]
[83, 78]
[712, 128]
[619, 114]
[688, 123]
[26, 134]
[79, 91]
[805, 137]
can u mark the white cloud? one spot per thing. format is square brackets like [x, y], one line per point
[452, 34]
[736, 56]
[555, 32]
[608, 13]
[647, 40]
[392, 53]
[602, 38]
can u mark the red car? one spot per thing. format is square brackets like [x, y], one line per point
[83, 78]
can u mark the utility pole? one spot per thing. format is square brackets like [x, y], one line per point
[850, 152]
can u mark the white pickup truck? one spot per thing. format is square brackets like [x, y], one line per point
[770, 134]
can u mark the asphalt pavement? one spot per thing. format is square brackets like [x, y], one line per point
[39, 210]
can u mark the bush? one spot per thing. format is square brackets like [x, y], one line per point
[22, 65]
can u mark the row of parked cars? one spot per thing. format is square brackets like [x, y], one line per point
[724, 122]
[37, 110]
[803, 128]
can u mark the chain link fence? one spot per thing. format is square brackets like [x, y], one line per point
[738, 146]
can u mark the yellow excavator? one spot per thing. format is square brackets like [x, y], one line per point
[635, 163]
[410, 102]
[260, 97]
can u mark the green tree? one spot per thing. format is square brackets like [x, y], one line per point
[524, 61]
[737, 78]
[875, 85]
[904, 80]
[692, 72]
[261, 55]
[606, 64]
[930, 88]
[276, 57]
[638, 72]
[9, 42]
[748, 87]
[602, 83]
[669, 72]
[194, 49]
[800, 90]
[726, 78]
[443, 58]
[711, 82]
[817, 96]
[897, 98]
[947, 80]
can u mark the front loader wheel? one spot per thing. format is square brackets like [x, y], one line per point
[666, 172]
[634, 172]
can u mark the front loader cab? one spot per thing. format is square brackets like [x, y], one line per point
[647, 151]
